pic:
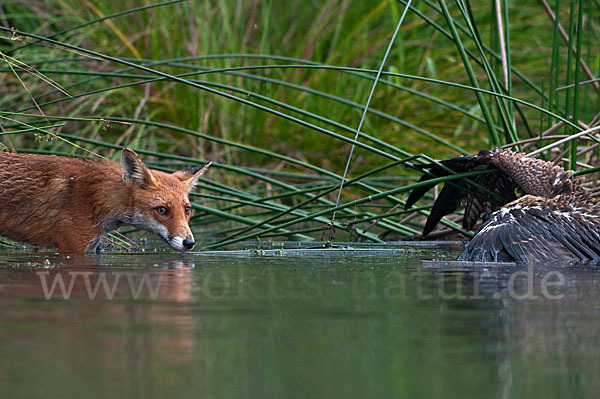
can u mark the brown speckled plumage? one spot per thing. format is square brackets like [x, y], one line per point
[556, 219]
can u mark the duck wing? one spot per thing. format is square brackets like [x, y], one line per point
[510, 172]
[498, 189]
[535, 229]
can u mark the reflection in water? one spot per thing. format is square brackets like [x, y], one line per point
[83, 308]
[154, 325]
[77, 277]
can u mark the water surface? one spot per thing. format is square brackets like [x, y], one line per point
[271, 325]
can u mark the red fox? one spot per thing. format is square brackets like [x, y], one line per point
[69, 203]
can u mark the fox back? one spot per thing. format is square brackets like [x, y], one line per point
[68, 203]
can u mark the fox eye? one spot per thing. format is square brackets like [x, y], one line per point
[162, 210]
[188, 210]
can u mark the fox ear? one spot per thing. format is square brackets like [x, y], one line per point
[134, 170]
[191, 175]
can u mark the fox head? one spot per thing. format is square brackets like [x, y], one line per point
[159, 201]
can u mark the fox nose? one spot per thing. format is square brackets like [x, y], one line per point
[188, 243]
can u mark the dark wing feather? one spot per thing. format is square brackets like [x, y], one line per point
[447, 202]
[477, 202]
[458, 165]
[474, 207]
[418, 193]
[535, 231]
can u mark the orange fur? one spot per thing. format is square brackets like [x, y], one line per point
[68, 203]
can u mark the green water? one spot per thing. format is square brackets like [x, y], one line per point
[347, 325]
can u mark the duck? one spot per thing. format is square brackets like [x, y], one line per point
[532, 210]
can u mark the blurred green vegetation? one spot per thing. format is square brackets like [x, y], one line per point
[255, 68]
